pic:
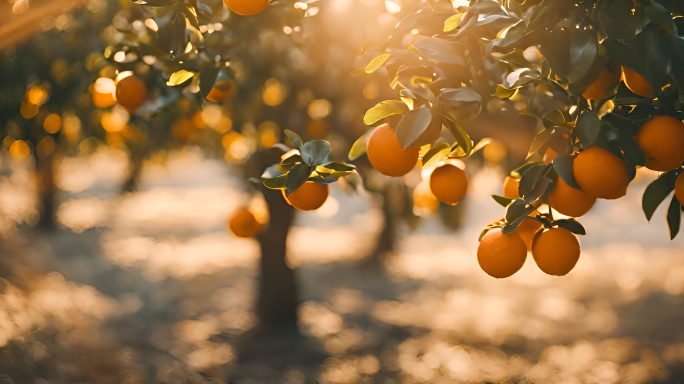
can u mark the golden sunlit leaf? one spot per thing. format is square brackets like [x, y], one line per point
[180, 77]
[452, 23]
[376, 63]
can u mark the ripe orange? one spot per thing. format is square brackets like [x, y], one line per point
[103, 92]
[662, 140]
[556, 251]
[246, 7]
[636, 83]
[309, 197]
[501, 255]
[386, 154]
[510, 187]
[243, 223]
[619, 194]
[527, 229]
[222, 90]
[599, 172]
[679, 188]
[448, 183]
[549, 155]
[599, 89]
[423, 198]
[570, 201]
[131, 92]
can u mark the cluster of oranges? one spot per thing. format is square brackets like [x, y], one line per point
[448, 183]
[599, 173]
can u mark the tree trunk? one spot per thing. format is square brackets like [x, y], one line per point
[46, 193]
[277, 302]
[135, 164]
[387, 237]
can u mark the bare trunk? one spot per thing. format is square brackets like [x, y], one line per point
[277, 303]
[134, 168]
[46, 193]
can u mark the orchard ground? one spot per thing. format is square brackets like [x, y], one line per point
[151, 287]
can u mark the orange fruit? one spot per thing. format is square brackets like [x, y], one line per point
[386, 154]
[183, 129]
[131, 92]
[309, 197]
[599, 89]
[510, 187]
[556, 251]
[662, 140]
[619, 194]
[246, 7]
[501, 255]
[527, 229]
[423, 198]
[243, 223]
[599, 172]
[636, 83]
[679, 188]
[568, 200]
[222, 90]
[103, 92]
[549, 155]
[448, 183]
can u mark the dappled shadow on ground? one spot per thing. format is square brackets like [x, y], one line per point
[149, 287]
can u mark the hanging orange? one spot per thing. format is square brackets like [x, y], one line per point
[246, 7]
[449, 184]
[243, 223]
[636, 83]
[386, 154]
[662, 141]
[568, 200]
[309, 197]
[599, 172]
[556, 251]
[510, 187]
[599, 89]
[501, 255]
[131, 92]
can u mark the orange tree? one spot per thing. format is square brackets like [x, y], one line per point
[604, 78]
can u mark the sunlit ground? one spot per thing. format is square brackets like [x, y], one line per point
[150, 287]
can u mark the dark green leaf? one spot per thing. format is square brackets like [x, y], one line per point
[571, 225]
[315, 152]
[583, 53]
[674, 217]
[562, 164]
[339, 166]
[543, 137]
[520, 171]
[464, 94]
[297, 177]
[291, 160]
[462, 137]
[530, 178]
[656, 192]
[412, 125]
[433, 151]
[503, 201]
[588, 127]
[207, 79]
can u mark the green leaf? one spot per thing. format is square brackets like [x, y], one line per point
[433, 151]
[562, 164]
[384, 109]
[315, 152]
[276, 182]
[207, 79]
[656, 192]
[503, 201]
[583, 52]
[520, 171]
[361, 72]
[452, 22]
[412, 125]
[530, 178]
[571, 225]
[543, 137]
[376, 63]
[588, 127]
[180, 78]
[338, 166]
[553, 118]
[291, 160]
[516, 213]
[481, 144]
[464, 94]
[360, 145]
[462, 137]
[674, 217]
[297, 177]
[294, 138]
